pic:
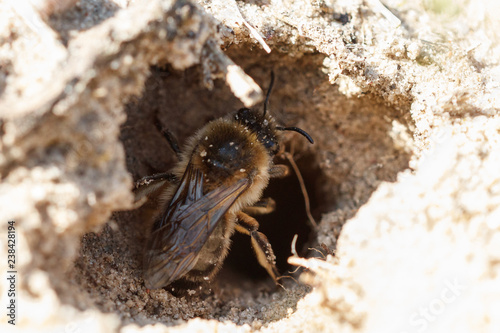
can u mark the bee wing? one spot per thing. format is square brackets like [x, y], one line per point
[190, 219]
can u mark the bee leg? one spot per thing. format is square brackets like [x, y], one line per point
[279, 171]
[261, 207]
[265, 255]
[149, 184]
[172, 141]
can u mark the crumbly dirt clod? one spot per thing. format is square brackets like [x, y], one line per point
[402, 101]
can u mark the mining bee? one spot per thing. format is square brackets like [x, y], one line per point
[216, 184]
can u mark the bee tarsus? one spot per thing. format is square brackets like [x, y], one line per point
[265, 255]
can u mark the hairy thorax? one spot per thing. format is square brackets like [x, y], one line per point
[227, 151]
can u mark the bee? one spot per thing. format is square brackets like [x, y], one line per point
[212, 192]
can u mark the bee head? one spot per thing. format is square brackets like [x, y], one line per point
[262, 125]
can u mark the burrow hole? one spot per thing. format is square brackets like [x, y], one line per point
[183, 105]
[353, 153]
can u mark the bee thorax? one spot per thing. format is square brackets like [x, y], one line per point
[228, 152]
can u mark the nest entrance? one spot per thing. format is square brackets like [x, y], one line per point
[353, 153]
[170, 96]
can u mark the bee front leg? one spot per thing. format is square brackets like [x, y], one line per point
[172, 141]
[279, 171]
[249, 226]
[150, 184]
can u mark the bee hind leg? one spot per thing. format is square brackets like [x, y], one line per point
[249, 226]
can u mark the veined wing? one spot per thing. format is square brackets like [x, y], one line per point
[188, 222]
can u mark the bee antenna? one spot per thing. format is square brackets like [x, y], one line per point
[298, 130]
[266, 102]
